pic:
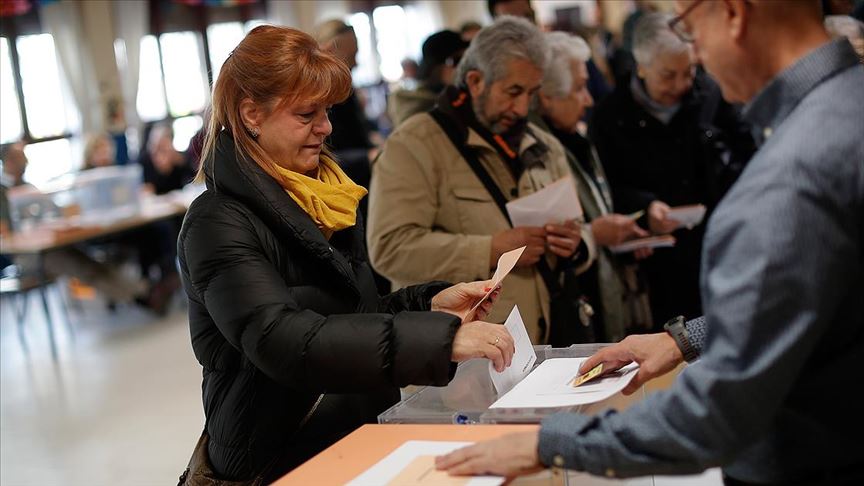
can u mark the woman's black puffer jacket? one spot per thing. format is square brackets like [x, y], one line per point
[279, 315]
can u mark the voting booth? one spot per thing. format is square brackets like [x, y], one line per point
[468, 397]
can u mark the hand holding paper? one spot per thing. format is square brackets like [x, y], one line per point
[505, 264]
[460, 300]
[687, 216]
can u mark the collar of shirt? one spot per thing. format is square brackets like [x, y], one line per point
[776, 100]
[662, 113]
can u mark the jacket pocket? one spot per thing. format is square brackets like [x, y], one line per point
[477, 194]
[476, 211]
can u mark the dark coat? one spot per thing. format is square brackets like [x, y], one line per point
[278, 315]
[692, 160]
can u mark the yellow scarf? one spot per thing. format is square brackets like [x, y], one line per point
[331, 199]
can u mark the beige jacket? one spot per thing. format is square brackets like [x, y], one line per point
[430, 218]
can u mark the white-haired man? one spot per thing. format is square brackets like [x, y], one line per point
[432, 215]
[769, 399]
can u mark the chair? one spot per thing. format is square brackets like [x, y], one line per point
[18, 288]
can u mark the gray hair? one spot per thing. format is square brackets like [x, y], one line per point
[494, 46]
[652, 36]
[564, 49]
[844, 26]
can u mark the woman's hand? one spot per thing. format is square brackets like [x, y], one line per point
[460, 298]
[510, 455]
[563, 239]
[614, 229]
[478, 339]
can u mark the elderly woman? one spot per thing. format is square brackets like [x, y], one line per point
[609, 285]
[667, 139]
[297, 347]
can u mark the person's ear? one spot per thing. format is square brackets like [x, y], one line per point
[544, 100]
[736, 15]
[476, 83]
[251, 114]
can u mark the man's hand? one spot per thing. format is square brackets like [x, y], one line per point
[656, 355]
[460, 298]
[563, 239]
[510, 455]
[532, 238]
[658, 218]
[614, 229]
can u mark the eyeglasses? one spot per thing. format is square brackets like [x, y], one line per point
[679, 28]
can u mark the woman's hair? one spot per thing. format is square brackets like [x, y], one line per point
[565, 49]
[331, 29]
[274, 67]
[91, 145]
[507, 39]
[652, 36]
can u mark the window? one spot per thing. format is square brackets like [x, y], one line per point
[185, 82]
[394, 33]
[223, 38]
[44, 93]
[37, 104]
[151, 102]
[11, 128]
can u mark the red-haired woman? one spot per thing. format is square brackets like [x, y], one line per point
[297, 347]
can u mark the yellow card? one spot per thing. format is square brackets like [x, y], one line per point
[594, 373]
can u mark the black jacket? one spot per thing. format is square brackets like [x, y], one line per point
[694, 159]
[279, 315]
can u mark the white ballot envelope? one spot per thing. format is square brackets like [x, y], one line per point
[549, 385]
[523, 359]
[687, 216]
[555, 203]
[413, 463]
[664, 241]
[506, 262]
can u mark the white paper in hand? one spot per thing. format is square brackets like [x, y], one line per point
[555, 203]
[687, 216]
[663, 241]
[523, 359]
[506, 262]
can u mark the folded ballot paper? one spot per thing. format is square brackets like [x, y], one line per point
[687, 216]
[551, 385]
[664, 241]
[555, 203]
[506, 262]
[523, 359]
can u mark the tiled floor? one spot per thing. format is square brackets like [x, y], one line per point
[121, 406]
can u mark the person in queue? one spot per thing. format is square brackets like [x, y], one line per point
[611, 282]
[666, 139]
[783, 333]
[296, 346]
[431, 216]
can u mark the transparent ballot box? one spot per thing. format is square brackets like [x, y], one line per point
[466, 399]
[92, 197]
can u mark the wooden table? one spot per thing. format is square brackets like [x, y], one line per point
[46, 238]
[363, 448]
[348, 458]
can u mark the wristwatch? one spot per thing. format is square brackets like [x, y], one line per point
[676, 328]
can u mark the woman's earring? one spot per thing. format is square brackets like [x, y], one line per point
[254, 132]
